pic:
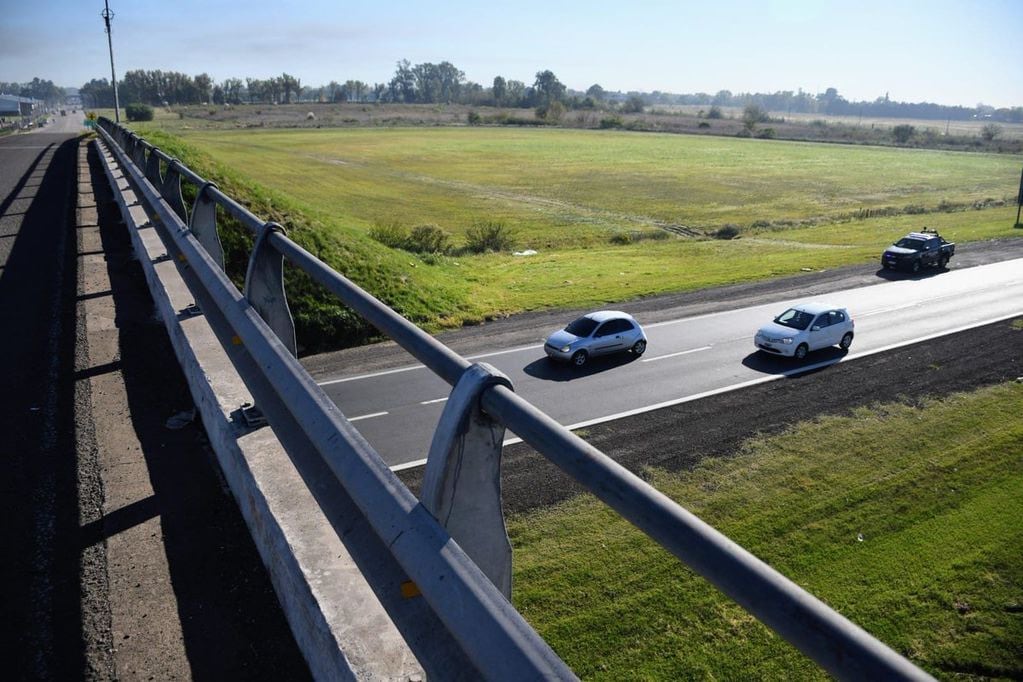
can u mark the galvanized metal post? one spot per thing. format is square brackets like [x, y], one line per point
[170, 189]
[264, 287]
[203, 223]
[462, 481]
[153, 167]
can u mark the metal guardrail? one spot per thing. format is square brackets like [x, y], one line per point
[467, 583]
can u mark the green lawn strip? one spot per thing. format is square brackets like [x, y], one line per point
[905, 519]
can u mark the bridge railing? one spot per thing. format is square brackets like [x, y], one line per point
[467, 583]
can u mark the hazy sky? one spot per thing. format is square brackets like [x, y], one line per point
[949, 52]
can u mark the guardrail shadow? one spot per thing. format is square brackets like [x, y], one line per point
[552, 370]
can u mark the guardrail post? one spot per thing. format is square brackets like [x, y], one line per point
[462, 480]
[170, 189]
[139, 153]
[264, 287]
[203, 222]
[153, 167]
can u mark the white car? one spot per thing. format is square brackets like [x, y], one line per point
[806, 327]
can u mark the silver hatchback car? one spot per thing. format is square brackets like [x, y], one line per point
[597, 333]
[806, 327]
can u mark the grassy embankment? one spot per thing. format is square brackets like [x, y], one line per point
[595, 205]
[908, 523]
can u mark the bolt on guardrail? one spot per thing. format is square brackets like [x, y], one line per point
[461, 491]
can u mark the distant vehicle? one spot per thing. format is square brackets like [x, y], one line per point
[918, 250]
[597, 333]
[804, 328]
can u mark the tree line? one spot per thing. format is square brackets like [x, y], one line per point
[444, 83]
[37, 88]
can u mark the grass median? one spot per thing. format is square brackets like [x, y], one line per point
[903, 518]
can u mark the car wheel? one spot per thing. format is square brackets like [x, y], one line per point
[916, 266]
[639, 348]
[801, 351]
[579, 358]
[846, 341]
[943, 263]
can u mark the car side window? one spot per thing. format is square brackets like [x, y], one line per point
[613, 327]
[836, 316]
[822, 321]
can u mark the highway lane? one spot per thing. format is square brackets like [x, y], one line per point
[398, 409]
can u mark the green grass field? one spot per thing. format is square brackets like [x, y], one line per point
[908, 524]
[575, 196]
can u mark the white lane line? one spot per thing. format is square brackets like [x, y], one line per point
[409, 368]
[367, 416]
[878, 311]
[431, 402]
[673, 355]
[746, 384]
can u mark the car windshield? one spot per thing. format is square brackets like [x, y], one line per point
[797, 319]
[907, 243]
[584, 326]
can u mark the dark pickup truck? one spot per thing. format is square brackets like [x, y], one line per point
[918, 250]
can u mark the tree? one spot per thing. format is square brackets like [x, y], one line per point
[500, 90]
[633, 105]
[752, 115]
[288, 84]
[97, 94]
[403, 86]
[990, 131]
[596, 92]
[548, 88]
[203, 83]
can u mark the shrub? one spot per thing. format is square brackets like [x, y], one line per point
[621, 238]
[474, 118]
[390, 234]
[613, 121]
[766, 134]
[715, 112]
[703, 124]
[428, 239]
[139, 112]
[729, 231]
[902, 133]
[488, 235]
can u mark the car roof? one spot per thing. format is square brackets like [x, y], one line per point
[921, 235]
[605, 315]
[816, 307]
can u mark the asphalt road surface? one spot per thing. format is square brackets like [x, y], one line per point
[396, 409]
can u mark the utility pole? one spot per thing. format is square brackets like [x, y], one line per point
[107, 16]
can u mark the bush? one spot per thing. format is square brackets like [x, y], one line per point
[488, 235]
[729, 231]
[428, 239]
[474, 119]
[766, 134]
[391, 234]
[903, 133]
[614, 121]
[703, 124]
[139, 112]
[715, 112]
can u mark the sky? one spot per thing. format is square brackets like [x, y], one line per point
[948, 52]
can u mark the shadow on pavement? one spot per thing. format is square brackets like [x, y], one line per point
[551, 370]
[766, 363]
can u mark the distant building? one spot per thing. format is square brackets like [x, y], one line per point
[13, 106]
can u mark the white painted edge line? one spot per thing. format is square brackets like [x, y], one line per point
[431, 402]
[746, 384]
[672, 355]
[409, 368]
[367, 416]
